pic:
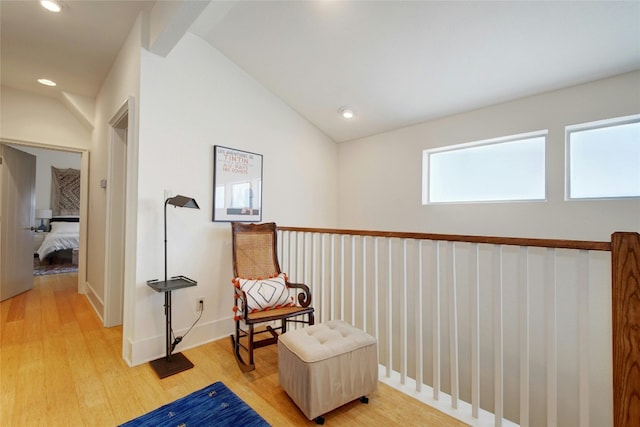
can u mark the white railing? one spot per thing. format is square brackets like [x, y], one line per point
[494, 331]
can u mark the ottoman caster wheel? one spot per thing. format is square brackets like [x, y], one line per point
[320, 420]
[364, 399]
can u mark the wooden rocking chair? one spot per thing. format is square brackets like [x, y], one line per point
[254, 260]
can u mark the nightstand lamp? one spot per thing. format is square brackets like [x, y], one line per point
[43, 214]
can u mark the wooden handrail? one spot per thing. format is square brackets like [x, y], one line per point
[515, 241]
[625, 272]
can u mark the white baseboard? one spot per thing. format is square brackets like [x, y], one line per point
[144, 351]
[443, 403]
[95, 301]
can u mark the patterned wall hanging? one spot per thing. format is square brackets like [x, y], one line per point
[65, 191]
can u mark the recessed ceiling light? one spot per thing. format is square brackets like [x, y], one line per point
[46, 82]
[51, 5]
[346, 113]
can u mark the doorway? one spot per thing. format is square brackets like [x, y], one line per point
[9, 241]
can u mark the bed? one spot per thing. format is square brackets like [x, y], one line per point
[62, 240]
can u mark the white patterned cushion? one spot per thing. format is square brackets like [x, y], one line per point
[264, 294]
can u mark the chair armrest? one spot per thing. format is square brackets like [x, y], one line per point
[304, 297]
[242, 296]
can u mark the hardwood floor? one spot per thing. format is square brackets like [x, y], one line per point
[59, 366]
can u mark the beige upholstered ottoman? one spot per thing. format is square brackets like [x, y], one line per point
[324, 366]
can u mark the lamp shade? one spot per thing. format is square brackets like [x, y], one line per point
[182, 202]
[44, 214]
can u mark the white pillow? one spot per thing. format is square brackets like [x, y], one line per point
[65, 227]
[265, 294]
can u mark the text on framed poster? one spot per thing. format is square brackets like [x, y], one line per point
[237, 185]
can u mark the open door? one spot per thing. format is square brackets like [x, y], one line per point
[18, 171]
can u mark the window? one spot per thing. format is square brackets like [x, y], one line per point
[603, 159]
[503, 169]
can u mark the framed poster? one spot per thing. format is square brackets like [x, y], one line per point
[237, 185]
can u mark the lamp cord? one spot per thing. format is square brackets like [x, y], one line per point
[177, 340]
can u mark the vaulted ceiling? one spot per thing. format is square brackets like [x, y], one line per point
[395, 63]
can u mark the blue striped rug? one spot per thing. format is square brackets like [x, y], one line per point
[214, 405]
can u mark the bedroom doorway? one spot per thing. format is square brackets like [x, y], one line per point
[48, 154]
[116, 185]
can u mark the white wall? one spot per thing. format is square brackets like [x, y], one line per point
[122, 82]
[380, 176]
[44, 160]
[191, 100]
[27, 117]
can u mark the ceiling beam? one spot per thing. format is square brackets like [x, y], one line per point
[169, 21]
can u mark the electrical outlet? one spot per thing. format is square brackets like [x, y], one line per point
[200, 304]
[167, 194]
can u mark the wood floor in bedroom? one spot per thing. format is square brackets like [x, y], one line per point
[60, 367]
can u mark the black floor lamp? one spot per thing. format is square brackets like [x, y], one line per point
[171, 363]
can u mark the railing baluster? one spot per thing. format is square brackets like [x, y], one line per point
[550, 334]
[419, 331]
[583, 336]
[474, 279]
[301, 252]
[524, 335]
[333, 277]
[353, 280]
[299, 255]
[314, 263]
[304, 265]
[342, 283]
[453, 331]
[303, 258]
[285, 236]
[293, 253]
[403, 315]
[294, 250]
[313, 274]
[390, 306]
[292, 267]
[279, 234]
[436, 327]
[376, 289]
[364, 284]
[323, 281]
[498, 362]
